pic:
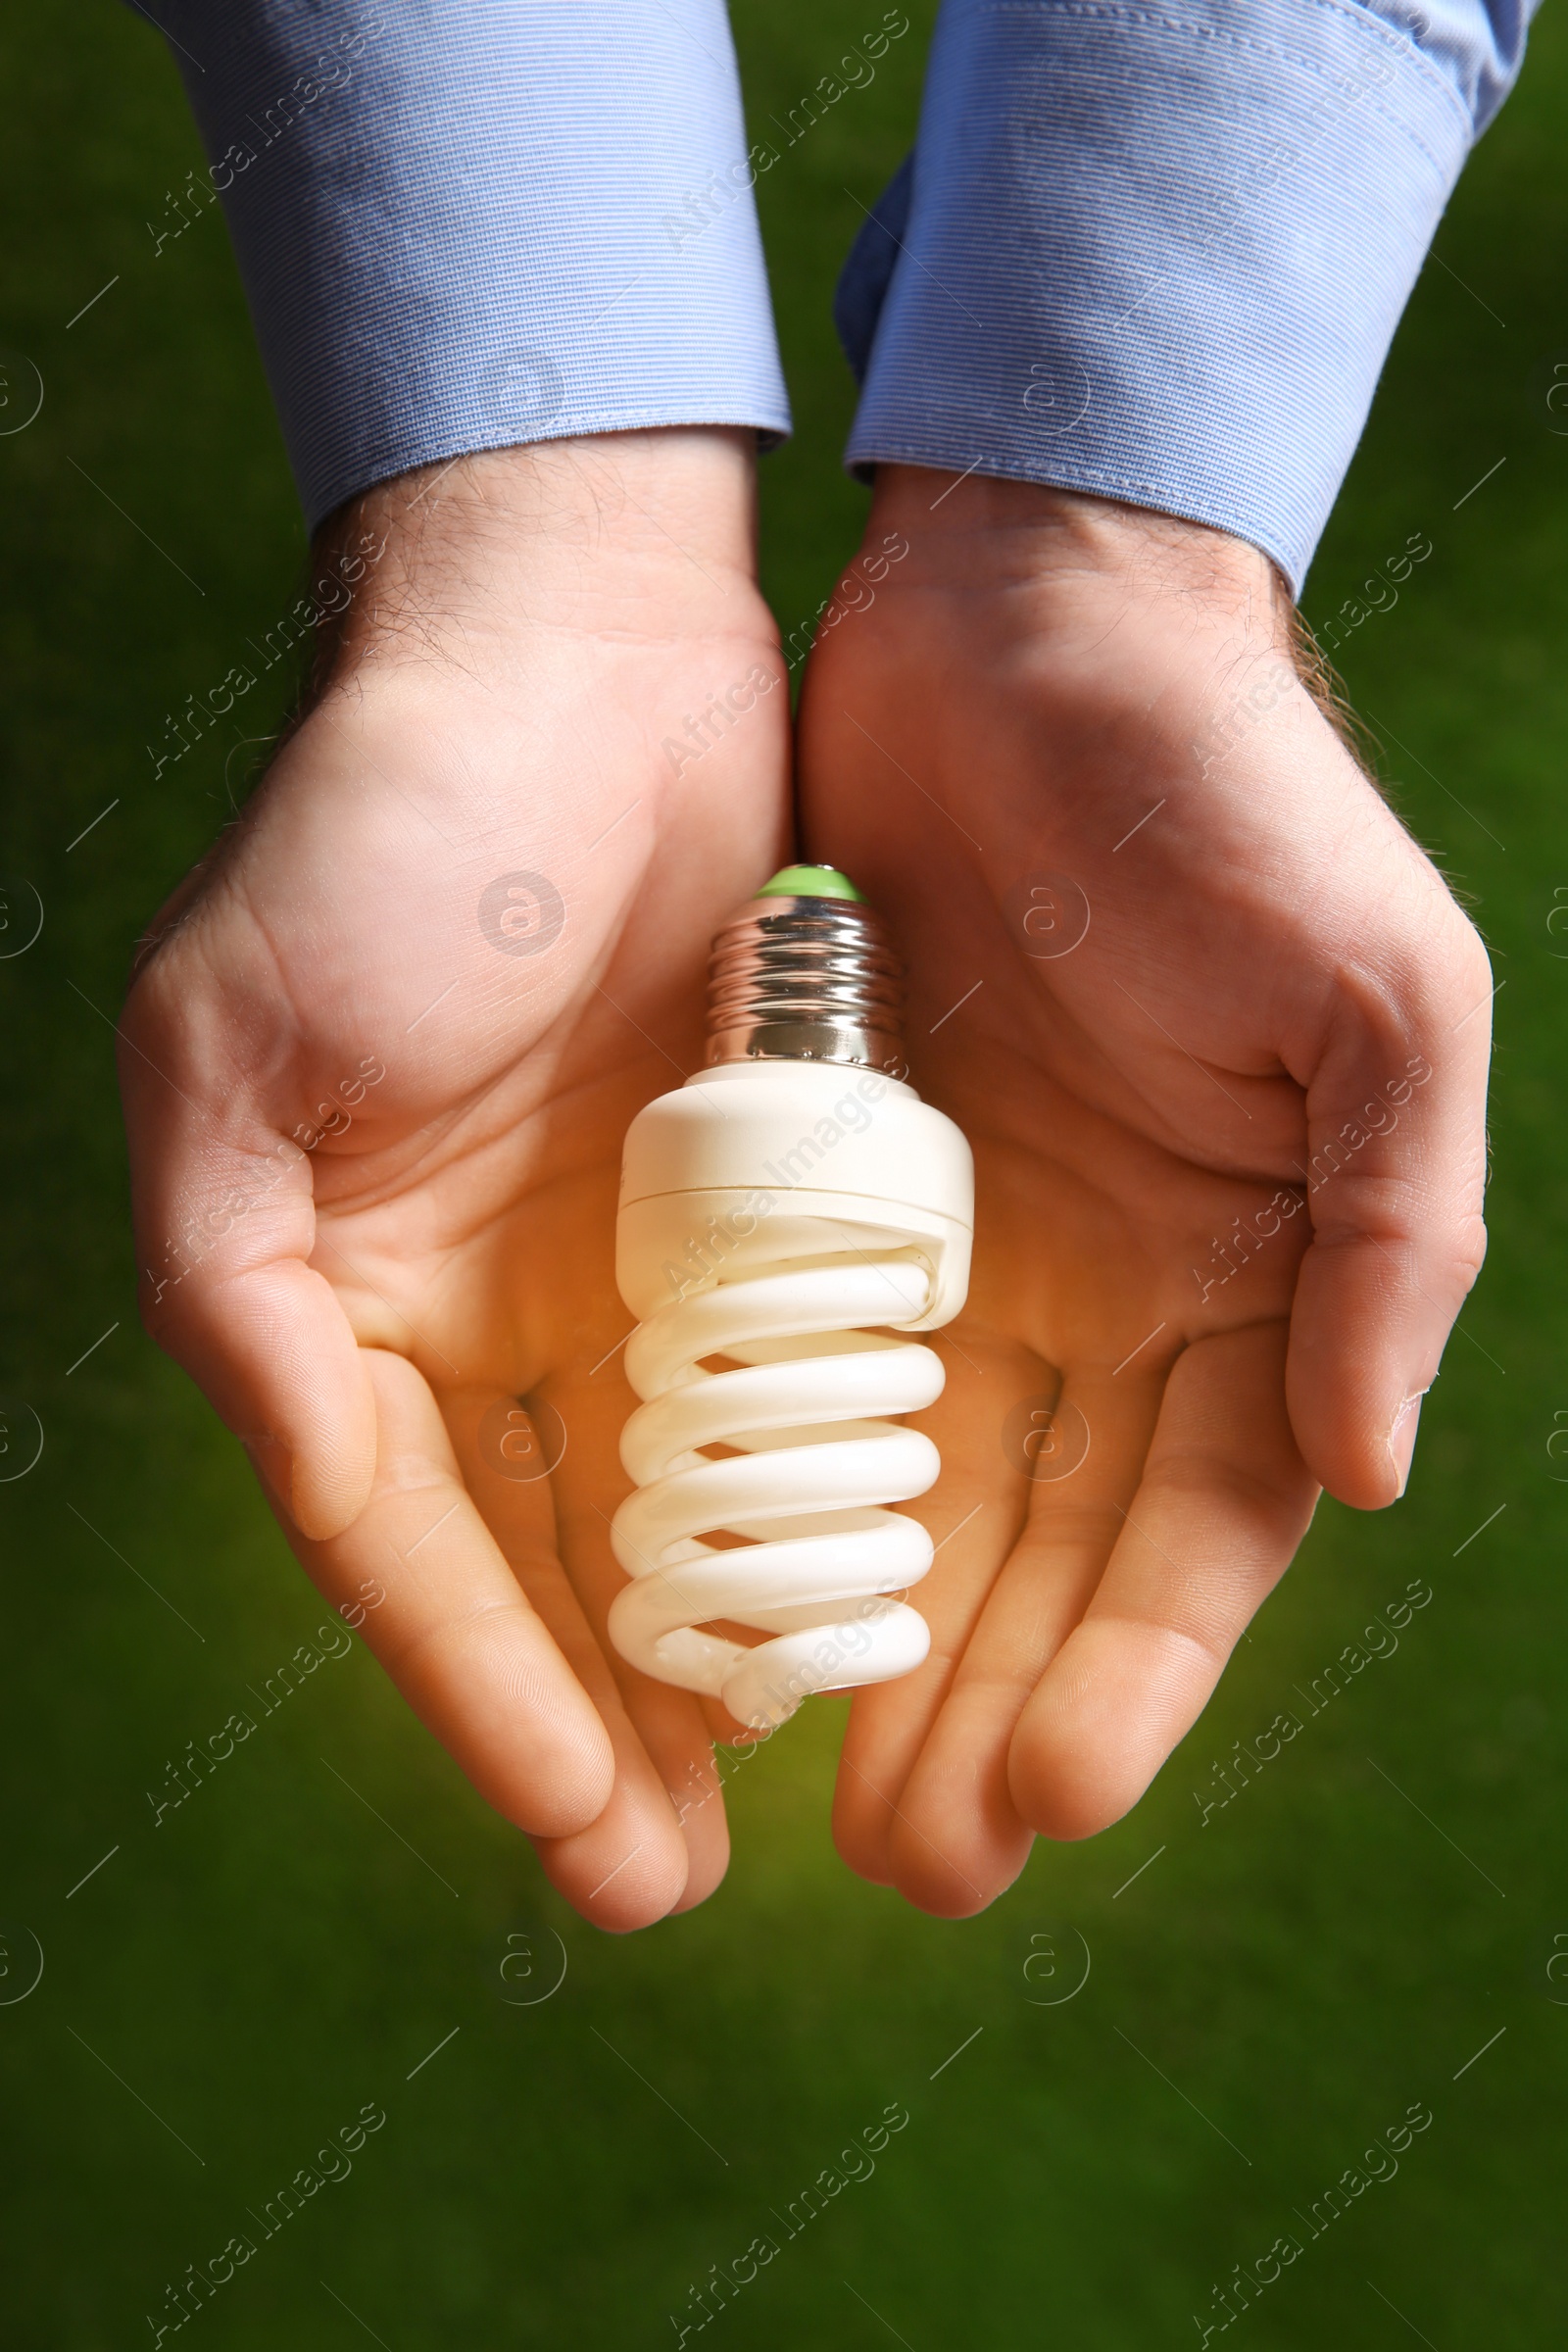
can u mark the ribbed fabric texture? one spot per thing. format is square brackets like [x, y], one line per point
[473, 222]
[1159, 254]
[1153, 253]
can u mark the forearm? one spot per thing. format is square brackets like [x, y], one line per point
[471, 227]
[1160, 257]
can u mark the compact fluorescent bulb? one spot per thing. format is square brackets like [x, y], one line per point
[781, 1214]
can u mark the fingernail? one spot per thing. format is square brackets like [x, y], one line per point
[1401, 1437]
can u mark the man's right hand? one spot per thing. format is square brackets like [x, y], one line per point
[378, 1066]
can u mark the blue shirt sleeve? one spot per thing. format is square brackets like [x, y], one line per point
[462, 224]
[1158, 253]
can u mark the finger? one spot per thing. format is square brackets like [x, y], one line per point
[958, 1799]
[675, 1741]
[1397, 1168]
[629, 1866]
[225, 1221]
[455, 1631]
[973, 1513]
[1224, 1501]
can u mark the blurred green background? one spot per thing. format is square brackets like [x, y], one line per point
[1272, 1991]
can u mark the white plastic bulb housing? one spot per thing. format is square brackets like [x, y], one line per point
[781, 1214]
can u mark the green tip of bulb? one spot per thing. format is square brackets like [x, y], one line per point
[809, 882]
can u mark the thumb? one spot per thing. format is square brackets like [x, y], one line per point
[224, 1228]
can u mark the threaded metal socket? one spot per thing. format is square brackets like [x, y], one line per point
[807, 979]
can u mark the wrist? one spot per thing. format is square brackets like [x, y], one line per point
[984, 532]
[1088, 606]
[649, 530]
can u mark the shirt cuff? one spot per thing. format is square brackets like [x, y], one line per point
[1159, 258]
[463, 225]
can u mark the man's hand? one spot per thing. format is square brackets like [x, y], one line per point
[378, 1068]
[1218, 1035]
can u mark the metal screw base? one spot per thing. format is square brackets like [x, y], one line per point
[807, 980]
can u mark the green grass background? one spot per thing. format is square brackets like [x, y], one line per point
[1273, 1991]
